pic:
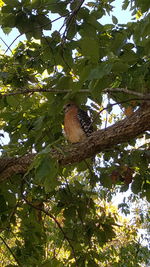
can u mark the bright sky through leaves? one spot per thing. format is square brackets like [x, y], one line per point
[123, 16]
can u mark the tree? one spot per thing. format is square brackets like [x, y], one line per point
[55, 204]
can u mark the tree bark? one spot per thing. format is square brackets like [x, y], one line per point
[123, 131]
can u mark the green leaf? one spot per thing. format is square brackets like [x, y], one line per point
[114, 20]
[3, 206]
[91, 263]
[6, 9]
[129, 57]
[43, 21]
[102, 70]
[11, 3]
[90, 48]
[118, 42]
[10, 198]
[46, 172]
[6, 30]
[12, 101]
[120, 67]
[147, 194]
[51, 181]
[64, 82]
[58, 7]
[105, 179]
[69, 213]
[137, 184]
[125, 4]
[43, 168]
[146, 191]
[9, 21]
[52, 263]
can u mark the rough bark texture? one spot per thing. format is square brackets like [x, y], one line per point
[102, 140]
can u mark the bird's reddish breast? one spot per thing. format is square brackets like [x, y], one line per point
[72, 127]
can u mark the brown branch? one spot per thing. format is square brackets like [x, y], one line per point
[10, 250]
[41, 90]
[71, 17]
[139, 96]
[123, 131]
[58, 225]
[126, 91]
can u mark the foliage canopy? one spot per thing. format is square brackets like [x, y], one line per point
[55, 205]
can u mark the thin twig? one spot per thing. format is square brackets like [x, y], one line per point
[64, 91]
[57, 223]
[123, 90]
[106, 120]
[41, 90]
[70, 18]
[10, 251]
[51, 216]
[114, 104]
[8, 48]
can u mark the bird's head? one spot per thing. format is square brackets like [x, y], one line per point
[68, 106]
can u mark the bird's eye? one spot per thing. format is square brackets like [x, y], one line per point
[66, 107]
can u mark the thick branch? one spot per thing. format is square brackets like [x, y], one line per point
[100, 141]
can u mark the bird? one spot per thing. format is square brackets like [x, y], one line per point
[77, 123]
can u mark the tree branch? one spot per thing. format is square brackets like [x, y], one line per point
[139, 96]
[123, 131]
[58, 225]
[126, 91]
[41, 90]
[10, 250]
